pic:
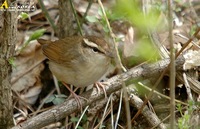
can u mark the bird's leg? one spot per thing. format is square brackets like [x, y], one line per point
[77, 97]
[102, 86]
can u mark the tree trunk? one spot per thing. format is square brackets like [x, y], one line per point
[66, 19]
[8, 30]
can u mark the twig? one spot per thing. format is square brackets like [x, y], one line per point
[119, 65]
[172, 66]
[117, 58]
[43, 102]
[56, 84]
[188, 42]
[44, 10]
[119, 110]
[27, 71]
[162, 74]
[162, 95]
[104, 113]
[149, 115]
[76, 17]
[187, 86]
[86, 12]
[182, 36]
[81, 117]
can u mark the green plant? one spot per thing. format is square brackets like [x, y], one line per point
[34, 36]
[83, 120]
[110, 15]
[11, 62]
[183, 122]
[144, 23]
[56, 99]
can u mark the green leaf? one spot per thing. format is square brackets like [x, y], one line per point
[11, 61]
[112, 16]
[23, 15]
[100, 12]
[61, 96]
[79, 127]
[85, 118]
[74, 119]
[92, 19]
[105, 28]
[36, 34]
[131, 11]
[58, 100]
[193, 30]
[50, 99]
[146, 50]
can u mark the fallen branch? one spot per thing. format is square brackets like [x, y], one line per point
[114, 84]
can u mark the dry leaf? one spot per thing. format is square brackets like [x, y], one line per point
[129, 44]
[25, 77]
[192, 59]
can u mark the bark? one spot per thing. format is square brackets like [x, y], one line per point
[66, 19]
[8, 27]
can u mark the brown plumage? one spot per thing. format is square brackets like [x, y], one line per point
[77, 60]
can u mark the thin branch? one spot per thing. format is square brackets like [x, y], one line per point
[86, 12]
[172, 66]
[117, 57]
[162, 75]
[162, 95]
[187, 86]
[119, 65]
[76, 17]
[44, 10]
[188, 42]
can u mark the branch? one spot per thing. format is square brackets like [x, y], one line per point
[114, 84]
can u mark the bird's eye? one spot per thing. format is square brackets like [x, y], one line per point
[95, 49]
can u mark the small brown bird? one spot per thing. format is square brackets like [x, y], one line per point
[77, 60]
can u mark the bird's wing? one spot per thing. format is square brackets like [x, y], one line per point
[60, 51]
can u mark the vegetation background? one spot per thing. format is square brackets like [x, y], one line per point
[144, 34]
